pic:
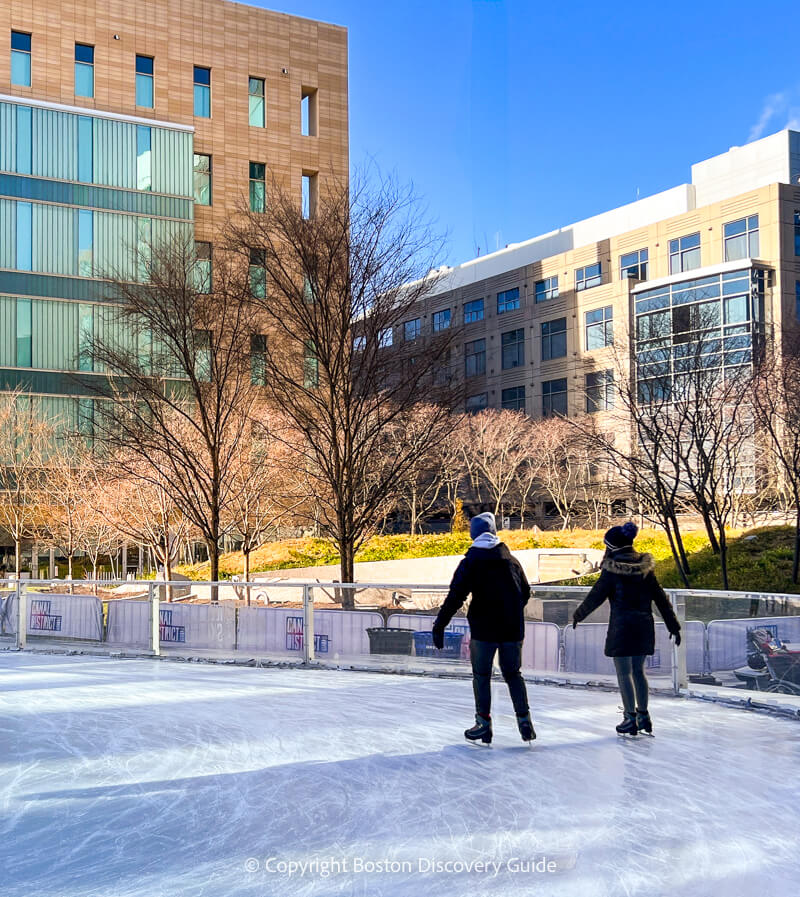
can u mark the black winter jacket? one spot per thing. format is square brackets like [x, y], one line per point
[628, 581]
[500, 591]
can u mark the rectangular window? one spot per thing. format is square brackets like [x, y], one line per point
[441, 320]
[203, 273]
[554, 339]
[24, 236]
[477, 403]
[385, 338]
[684, 254]
[85, 149]
[599, 391]
[202, 179]
[513, 343]
[202, 92]
[20, 59]
[554, 397]
[85, 415]
[258, 186]
[258, 273]
[144, 81]
[255, 91]
[24, 140]
[308, 111]
[24, 333]
[513, 398]
[588, 276]
[202, 354]
[599, 328]
[797, 233]
[741, 238]
[85, 243]
[85, 337]
[633, 264]
[412, 329]
[473, 311]
[310, 366]
[144, 180]
[309, 194]
[258, 359]
[546, 289]
[144, 244]
[475, 358]
[84, 70]
[508, 300]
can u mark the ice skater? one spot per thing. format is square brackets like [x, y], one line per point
[500, 591]
[628, 581]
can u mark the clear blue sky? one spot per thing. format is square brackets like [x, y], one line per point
[514, 118]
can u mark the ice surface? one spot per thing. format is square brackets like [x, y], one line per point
[150, 778]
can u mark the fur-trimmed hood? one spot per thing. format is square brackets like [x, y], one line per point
[628, 563]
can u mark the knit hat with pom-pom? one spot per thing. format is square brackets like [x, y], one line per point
[621, 536]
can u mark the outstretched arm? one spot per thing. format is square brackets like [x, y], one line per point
[600, 591]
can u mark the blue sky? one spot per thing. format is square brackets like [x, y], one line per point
[514, 118]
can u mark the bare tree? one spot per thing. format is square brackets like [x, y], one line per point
[180, 388]
[347, 357]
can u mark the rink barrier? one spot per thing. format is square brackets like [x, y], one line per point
[306, 633]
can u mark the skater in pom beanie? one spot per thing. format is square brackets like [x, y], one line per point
[500, 592]
[627, 580]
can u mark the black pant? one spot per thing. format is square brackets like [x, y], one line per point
[632, 682]
[482, 656]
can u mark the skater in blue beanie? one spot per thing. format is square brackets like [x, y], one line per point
[627, 580]
[500, 591]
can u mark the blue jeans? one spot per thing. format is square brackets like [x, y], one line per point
[482, 656]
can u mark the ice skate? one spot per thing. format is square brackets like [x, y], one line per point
[481, 731]
[525, 726]
[628, 725]
[643, 722]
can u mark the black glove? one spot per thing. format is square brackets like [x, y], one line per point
[438, 637]
[677, 637]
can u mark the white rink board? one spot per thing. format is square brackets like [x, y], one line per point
[58, 616]
[128, 623]
[277, 630]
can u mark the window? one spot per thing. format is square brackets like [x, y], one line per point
[513, 398]
[599, 328]
[554, 339]
[202, 179]
[258, 359]
[24, 333]
[202, 354]
[202, 92]
[258, 188]
[144, 81]
[359, 343]
[475, 358]
[441, 320]
[258, 273]
[144, 244]
[256, 111]
[85, 149]
[85, 242]
[797, 233]
[20, 58]
[546, 289]
[144, 179]
[308, 111]
[85, 416]
[85, 337]
[203, 274]
[477, 403]
[412, 329]
[24, 236]
[309, 194]
[311, 366]
[508, 300]
[473, 311]
[513, 346]
[684, 254]
[741, 238]
[385, 338]
[589, 276]
[599, 391]
[554, 397]
[633, 264]
[84, 70]
[309, 293]
[24, 140]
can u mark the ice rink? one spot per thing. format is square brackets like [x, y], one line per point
[166, 779]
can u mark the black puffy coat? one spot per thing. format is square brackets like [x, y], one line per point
[500, 591]
[628, 582]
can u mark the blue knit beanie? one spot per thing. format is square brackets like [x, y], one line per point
[483, 523]
[621, 536]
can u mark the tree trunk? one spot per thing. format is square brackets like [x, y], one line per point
[723, 558]
[18, 557]
[347, 570]
[677, 551]
[213, 558]
[796, 559]
[681, 548]
[69, 573]
[168, 572]
[246, 555]
[94, 576]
